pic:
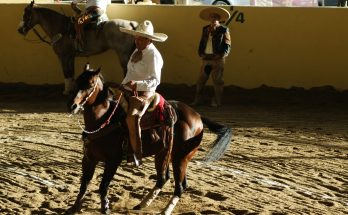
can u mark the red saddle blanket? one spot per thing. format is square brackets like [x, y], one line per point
[163, 114]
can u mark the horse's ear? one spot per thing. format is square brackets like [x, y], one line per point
[32, 3]
[87, 66]
[98, 70]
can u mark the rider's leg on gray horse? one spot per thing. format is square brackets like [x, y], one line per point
[92, 14]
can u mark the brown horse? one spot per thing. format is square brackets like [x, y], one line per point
[60, 29]
[106, 133]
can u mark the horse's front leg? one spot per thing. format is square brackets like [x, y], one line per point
[68, 65]
[88, 168]
[154, 192]
[109, 172]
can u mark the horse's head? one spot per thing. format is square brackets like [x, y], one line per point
[87, 86]
[29, 19]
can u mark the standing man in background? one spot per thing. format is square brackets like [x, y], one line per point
[341, 3]
[214, 47]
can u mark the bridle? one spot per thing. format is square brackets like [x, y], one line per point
[85, 100]
[80, 107]
[27, 25]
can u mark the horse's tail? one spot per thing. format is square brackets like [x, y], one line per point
[222, 142]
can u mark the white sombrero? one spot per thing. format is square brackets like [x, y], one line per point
[223, 13]
[145, 29]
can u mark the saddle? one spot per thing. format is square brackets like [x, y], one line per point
[83, 23]
[159, 113]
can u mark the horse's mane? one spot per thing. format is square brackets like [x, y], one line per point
[50, 12]
[110, 93]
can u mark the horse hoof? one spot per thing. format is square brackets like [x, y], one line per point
[106, 211]
[71, 210]
[137, 207]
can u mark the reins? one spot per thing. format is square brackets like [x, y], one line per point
[54, 39]
[107, 122]
[41, 37]
[90, 94]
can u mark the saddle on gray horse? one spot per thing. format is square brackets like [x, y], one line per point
[87, 22]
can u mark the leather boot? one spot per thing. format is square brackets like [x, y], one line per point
[216, 102]
[198, 96]
[78, 42]
[197, 100]
[135, 138]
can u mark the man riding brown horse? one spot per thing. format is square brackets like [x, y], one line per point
[143, 76]
[95, 12]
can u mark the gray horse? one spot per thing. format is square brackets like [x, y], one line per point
[60, 29]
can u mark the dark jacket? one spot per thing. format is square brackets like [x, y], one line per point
[221, 42]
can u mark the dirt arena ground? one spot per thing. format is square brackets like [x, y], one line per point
[289, 155]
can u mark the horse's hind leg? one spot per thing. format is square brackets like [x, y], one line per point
[88, 168]
[179, 169]
[154, 192]
[109, 172]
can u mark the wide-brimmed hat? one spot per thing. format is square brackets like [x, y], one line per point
[145, 29]
[223, 13]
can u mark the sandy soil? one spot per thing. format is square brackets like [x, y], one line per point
[289, 155]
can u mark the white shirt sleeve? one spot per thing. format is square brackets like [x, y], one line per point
[153, 68]
[147, 72]
[99, 3]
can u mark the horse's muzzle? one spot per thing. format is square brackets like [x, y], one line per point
[22, 31]
[75, 108]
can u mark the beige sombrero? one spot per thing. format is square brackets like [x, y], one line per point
[145, 29]
[223, 13]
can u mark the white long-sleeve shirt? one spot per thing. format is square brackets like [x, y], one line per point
[147, 72]
[99, 3]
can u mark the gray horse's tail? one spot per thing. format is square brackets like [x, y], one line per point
[222, 142]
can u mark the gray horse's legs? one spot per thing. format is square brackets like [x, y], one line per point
[68, 85]
[68, 66]
[109, 172]
[88, 168]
